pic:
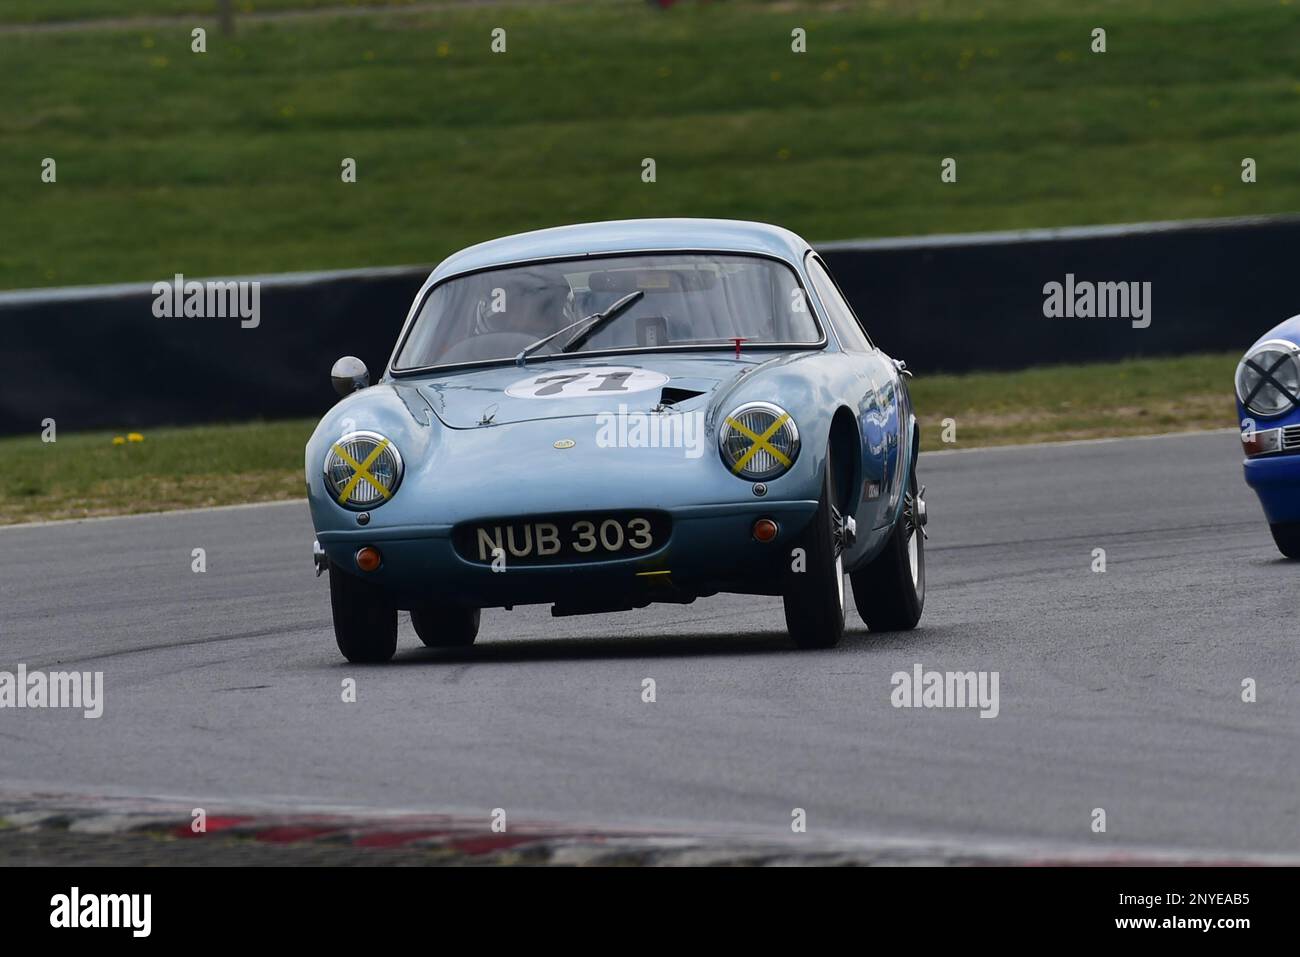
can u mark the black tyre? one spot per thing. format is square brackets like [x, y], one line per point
[814, 598]
[365, 624]
[446, 626]
[890, 591]
[1287, 537]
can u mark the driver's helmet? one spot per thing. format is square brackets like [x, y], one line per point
[530, 300]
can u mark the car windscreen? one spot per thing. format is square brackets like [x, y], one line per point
[685, 300]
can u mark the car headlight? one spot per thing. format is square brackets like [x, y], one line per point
[363, 470]
[1268, 379]
[758, 441]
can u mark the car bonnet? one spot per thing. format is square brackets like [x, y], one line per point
[562, 388]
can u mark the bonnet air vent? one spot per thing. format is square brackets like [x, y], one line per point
[671, 396]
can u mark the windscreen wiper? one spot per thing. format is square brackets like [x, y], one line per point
[597, 322]
[601, 319]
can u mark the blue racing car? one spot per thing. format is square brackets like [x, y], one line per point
[1268, 406]
[603, 416]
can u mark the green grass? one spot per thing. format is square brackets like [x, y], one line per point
[57, 11]
[228, 162]
[1057, 403]
[86, 474]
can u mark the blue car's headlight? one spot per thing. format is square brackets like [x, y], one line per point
[362, 470]
[1268, 378]
[758, 441]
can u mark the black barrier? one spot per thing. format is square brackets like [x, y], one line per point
[99, 358]
[103, 360]
[972, 303]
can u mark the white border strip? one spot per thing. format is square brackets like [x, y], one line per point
[284, 280]
[300, 502]
[1070, 443]
[940, 240]
[1007, 237]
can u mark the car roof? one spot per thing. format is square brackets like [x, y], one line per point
[626, 236]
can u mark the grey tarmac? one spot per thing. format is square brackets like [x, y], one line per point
[1118, 690]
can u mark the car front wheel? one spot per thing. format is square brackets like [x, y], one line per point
[446, 626]
[1287, 537]
[814, 598]
[890, 590]
[365, 624]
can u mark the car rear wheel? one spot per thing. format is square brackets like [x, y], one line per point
[814, 598]
[890, 590]
[1287, 537]
[365, 624]
[446, 626]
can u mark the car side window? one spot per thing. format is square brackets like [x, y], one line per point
[851, 332]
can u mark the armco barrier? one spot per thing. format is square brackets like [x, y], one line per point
[963, 303]
[96, 357]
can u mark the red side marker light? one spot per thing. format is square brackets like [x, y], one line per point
[765, 530]
[368, 558]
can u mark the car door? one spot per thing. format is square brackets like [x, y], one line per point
[877, 411]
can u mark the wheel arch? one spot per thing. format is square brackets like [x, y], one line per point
[844, 446]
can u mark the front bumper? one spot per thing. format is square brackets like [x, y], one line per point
[534, 470]
[710, 548]
[1276, 480]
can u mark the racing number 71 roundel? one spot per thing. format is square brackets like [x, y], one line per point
[586, 383]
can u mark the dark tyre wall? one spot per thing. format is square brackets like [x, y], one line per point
[102, 359]
[958, 305]
[98, 358]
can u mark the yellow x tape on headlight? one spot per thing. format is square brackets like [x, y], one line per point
[362, 471]
[761, 443]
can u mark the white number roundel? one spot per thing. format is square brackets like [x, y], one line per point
[592, 383]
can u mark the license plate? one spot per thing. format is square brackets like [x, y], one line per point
[562, 539]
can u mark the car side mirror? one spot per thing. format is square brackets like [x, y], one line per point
[348, 375]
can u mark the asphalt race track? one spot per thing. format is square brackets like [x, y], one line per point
[1119, 690]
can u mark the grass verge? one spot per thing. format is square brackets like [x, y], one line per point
[1094, 401]
[229, 162]
[87, 475]
[205, 11]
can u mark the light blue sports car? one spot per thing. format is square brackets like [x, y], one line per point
[1268, 407]
[603, 416]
